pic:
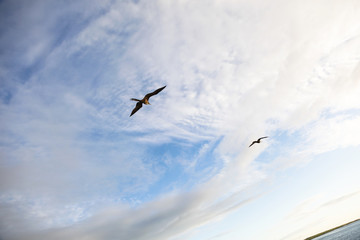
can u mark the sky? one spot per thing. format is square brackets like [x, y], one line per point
[74, 165]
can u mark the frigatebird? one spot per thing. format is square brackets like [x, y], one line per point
[145, 100]
[257, 141]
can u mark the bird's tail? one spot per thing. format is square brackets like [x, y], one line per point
[134, 99]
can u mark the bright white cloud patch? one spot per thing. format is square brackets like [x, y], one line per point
[74, 165]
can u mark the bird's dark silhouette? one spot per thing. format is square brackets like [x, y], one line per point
[257, 141]
[145, 100]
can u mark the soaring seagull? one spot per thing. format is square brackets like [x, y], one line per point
[257, 141]
[145, 100]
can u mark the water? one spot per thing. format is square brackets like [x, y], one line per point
[348, 232]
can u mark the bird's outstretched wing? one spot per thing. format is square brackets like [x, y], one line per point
[262, 138]
[137, 107]
[154, 92]
[252, 143]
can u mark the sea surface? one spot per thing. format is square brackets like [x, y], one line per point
[347, 232]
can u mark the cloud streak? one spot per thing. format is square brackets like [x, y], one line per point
[233, 70]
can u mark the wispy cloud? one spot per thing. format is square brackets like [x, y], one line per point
[234, 71]
[312, 214]
[161, 219]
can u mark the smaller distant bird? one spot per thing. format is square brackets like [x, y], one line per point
[257, 141]
[145, 100]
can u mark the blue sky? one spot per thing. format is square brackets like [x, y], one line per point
[74, 165]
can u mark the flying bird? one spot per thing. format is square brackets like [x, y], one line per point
[257, 141]
[145, 100]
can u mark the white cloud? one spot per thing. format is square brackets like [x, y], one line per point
[312, 216]
[234, 71]
[337, 132]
